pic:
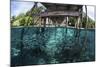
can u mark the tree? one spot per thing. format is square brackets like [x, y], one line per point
[20, 16]
[33, 18]
[29, 18]
[12, 19]
[22, 22]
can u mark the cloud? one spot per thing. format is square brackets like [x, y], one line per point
[18, 7]
[90, 12]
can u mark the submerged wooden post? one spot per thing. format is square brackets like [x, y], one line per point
[85, 40]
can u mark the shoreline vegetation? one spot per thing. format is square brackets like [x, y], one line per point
[30, 19]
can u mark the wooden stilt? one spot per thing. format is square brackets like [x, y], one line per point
[78, 23]
[85, 39]
[85, 42]
[44, 22]
[49, 23]
[67, 21]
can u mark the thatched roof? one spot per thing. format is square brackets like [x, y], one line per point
[61, 7]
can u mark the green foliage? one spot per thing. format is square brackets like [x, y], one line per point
[37, 10]
[27, 19]
[20, 16]
[90, 23]
[84, 22]
[12, 19]
[72, 20]
[22, 22]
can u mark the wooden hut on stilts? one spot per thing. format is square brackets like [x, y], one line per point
[58, 14]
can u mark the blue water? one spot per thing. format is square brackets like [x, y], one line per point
[51, 45]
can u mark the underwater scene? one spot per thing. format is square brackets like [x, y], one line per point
[51, 45]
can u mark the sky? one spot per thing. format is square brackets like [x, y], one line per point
[22, 7]
[91, 12]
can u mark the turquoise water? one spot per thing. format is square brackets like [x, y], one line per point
[51, 45]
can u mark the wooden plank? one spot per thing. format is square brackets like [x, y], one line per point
[60, 13]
